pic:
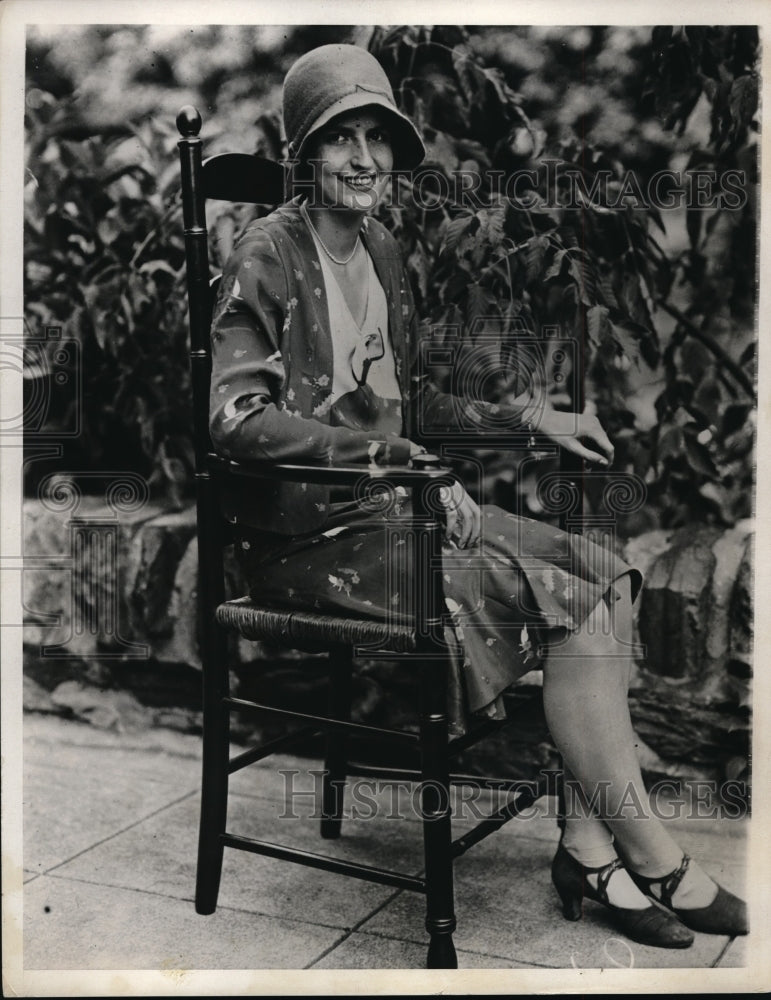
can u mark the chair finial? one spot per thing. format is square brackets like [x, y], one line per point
[189, 121]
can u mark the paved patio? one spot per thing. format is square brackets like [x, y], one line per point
[110, 823]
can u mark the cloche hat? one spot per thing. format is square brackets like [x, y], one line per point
[332, 79]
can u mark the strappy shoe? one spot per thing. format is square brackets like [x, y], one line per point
[651, 925]
[726, 914]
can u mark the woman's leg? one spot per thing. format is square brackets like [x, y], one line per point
[586, 680]
[585, 836]
[587, 839]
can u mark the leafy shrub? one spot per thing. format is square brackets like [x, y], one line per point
[105, 261]
[550, 257]
[663, 306]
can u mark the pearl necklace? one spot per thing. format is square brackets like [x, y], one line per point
[329, 254]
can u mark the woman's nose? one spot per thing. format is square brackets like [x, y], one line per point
[362, 156]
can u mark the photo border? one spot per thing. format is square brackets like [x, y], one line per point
[14, 16]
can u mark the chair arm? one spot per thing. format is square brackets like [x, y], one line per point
[427, 469]
[424, 474]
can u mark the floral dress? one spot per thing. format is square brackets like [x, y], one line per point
[522, 587]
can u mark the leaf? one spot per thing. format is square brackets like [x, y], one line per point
[440, 150]
[137, 294]
[492, 225]
[708, 398]
[478, 303]
[497, 83]
[597, 324]
[632, 299]
[735, 417]
[100, 299]
[535, 251]
[743, 100]
[698, 456]
[470, 149]
[455, 229]
[109, 229]
[626, 341]
[417, 265]
[671, 443]
[736, 766]
[581, 271]
[608, 294]
[556, 265]
[470, 75]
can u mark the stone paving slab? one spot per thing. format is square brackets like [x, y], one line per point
[74, 799]
[367, 951]
[73, 925]
[735, 956]
[129, 803]
[507, 907]
[721, 851]
[159, 856]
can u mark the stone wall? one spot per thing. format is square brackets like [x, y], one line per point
[110, 597]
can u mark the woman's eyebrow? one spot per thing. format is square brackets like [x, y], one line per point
[349, 129]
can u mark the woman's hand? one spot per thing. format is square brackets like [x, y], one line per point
[570, 430]
[463, 519]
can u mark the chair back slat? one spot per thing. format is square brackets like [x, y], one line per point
[242, 177]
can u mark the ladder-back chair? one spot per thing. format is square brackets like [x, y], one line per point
[251, 179]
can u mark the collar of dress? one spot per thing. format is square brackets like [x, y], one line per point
[385, 257]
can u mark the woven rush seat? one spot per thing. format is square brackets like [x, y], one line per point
[306, 630]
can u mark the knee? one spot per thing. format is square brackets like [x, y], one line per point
[594, 641]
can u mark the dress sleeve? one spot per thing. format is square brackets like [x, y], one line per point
[246, 418]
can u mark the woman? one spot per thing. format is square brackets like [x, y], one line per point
[313, 359]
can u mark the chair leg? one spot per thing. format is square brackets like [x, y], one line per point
[437, 826]
[214, 781]
[335, 762]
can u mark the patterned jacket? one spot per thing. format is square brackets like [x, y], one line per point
[272, 363]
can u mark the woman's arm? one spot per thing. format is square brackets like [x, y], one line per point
[246, 419]
[443, 411]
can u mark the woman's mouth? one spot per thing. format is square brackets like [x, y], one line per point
[361, 182]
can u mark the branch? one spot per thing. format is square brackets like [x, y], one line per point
[712, 345]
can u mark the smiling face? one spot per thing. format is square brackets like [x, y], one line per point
[355, 158]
